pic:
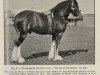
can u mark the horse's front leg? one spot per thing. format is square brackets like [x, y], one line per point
[53, 45]
[53, 53]
[56, 55]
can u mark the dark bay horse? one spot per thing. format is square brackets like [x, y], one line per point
[31, 21]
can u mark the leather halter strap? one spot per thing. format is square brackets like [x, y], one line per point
[50, 21]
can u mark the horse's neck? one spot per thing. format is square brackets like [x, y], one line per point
[61, 13]
[61, 9]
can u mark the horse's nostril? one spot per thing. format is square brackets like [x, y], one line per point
[80, 17]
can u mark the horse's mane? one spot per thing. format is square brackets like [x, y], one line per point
[61, 3]
[65, 1]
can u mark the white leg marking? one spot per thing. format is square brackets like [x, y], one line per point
[51, 52]
[57, 56]
[16, 55]
[20, 58]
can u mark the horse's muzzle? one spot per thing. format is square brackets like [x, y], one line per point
[80, 16]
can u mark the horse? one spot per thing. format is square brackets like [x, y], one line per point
[29, 21]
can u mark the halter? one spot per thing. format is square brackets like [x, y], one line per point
[73, 6]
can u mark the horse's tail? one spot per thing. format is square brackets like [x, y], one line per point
[11, 21]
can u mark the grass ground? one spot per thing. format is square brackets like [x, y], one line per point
[76, 47]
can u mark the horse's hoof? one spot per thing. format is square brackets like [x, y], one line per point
[50, 56]
[14, 58]
[21, 60]
[57, 58]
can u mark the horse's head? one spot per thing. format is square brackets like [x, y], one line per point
[65, 8]
[74, 9]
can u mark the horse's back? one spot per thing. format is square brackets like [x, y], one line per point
[30, 21]
[24, 14]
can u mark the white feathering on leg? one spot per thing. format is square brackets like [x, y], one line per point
[51, 52]
[20, 58]
[57, 56]
[14, 54]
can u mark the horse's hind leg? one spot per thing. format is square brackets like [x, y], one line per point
[16, 54]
